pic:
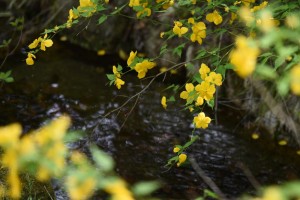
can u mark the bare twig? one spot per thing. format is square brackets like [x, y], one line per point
[206, 179]
[249, 175]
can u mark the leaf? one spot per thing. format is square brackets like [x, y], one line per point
[9, 80]
[283, 85]
[74, 136]
[200, 54]
[119, 68]
[111, 77]
[103, 160]
[266, 72]
[193, 139]
[145, 188]
[178, 50]
[171, 99]
[208, 193]
[278, 62]
[163, 49]
[197, 77]
[211, 103]
[102, 19]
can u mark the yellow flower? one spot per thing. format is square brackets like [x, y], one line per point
[295, 79]
[255, 136]
[101, 52]
[166, 3]
[193, 1]
[248, 2]
[201, 121]
[206, 90]
[29, 59]
[164, 102]
[9, 135]
[199, 101]
[266, 22]
[181, 159]
[118, 190]
[116, 72]
[204, 70]
[131, 57]
[246, 15]
[80, 188]
[45, 42]
[282, 142]
[244, 57]
[143, 67]
[34, 44]
[145, 12]
[119, 82]
[214, 17]
[71, 16]
[133, 3]
[199, 32]
[186, 94]
[272, 193]
[261, 6]
[214, 78]
[176, 149]
[106, 1]
[161, 35]
[178, 29]
[191, 20]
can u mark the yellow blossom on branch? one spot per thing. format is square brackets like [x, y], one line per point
[214, 78]
[178, 29]
[206, 90]
[204, 70]
[133, 3]
[143, 67]
[181, 159]
[186, 94]
[199, 32]
[214, 17]
[29, 59]
[164, 102]
[201, 121]
[131, 57]
[176, 149]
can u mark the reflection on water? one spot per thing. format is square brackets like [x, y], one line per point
[141, 146]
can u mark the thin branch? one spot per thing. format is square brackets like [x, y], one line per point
[206, 179]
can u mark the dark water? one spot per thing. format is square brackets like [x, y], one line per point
[73, 81]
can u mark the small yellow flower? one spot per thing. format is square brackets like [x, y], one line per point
[201, 121]
[178, 29]
[199, 101]
[214, 17]
[199, 32]
[295, 79]
[191, 20]
[29, 59]
[181, 159]
[119, 82]
[176, 149]
[164, 102]
[204, 70]
[214, 78]
[106, 1]
[45, 42]
[118, 190]
[131, 57]
[255, 136]
[206, 90]
[189, 87]
[261, 6]
[101, 52]
[161, 35]
[143, 67]
[282, 142]
[133, 3]
[34, 44]
[145, 12]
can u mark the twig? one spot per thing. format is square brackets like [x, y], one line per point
[249, 175]
[206, 179]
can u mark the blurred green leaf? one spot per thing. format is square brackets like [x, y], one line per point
[103, 160]
[145, 188]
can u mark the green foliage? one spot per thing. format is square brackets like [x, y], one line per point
[6, 77]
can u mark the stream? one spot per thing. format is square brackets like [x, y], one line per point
[141, 136]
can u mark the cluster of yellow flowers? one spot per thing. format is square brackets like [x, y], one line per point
[140, 67]
[205, 90]
[181, 157]
[118, 81]
[44, 147]
[42, 43]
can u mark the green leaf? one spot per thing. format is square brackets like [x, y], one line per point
[74, 136]
[9, 80]
[283, 85]
[145, 188]
[193, 139]
[208, 193]
[102, 19]
[211, 103]
[278, 62]
[103, 160]
[266, 72]
[200, 54]
[178, 50]
[119, 68]
[171, 99]
[111, 77]
[163, 49]
[119, 9]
